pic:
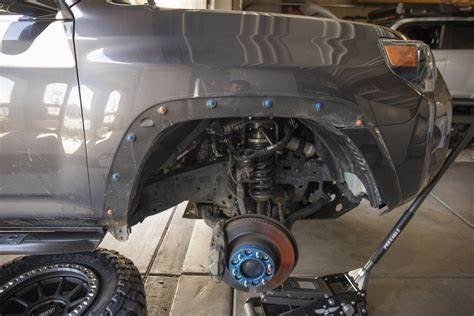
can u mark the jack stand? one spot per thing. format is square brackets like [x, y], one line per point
[344, 293]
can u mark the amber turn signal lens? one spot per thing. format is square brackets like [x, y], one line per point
[401, 55]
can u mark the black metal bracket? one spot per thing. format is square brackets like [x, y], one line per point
[344, 293]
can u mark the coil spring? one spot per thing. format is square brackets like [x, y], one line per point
[262, 178]
[261, 186]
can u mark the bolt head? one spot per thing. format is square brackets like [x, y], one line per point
[131, 138]
[318, 106]
[359, 122]
[162, 109]
[116, 176]
[211, 104]
[267, 103]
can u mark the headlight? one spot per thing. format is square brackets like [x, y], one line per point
[411, 60]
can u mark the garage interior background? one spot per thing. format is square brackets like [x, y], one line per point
[430, 272]
[346, 9]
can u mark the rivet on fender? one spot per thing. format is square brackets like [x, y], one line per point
[267, 103]
[116, 176]
[318, 106]
[131, 138]
[359, 122]
[162, 110]
[211, 104]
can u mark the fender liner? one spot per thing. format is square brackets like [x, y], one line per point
[150, 126]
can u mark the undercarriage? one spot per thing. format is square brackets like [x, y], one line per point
[276, 168]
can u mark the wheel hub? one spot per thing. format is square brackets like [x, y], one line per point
[261, 253]
[251, 266]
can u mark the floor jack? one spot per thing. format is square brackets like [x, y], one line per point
[344, 293]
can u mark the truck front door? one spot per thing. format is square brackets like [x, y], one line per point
[43, 169]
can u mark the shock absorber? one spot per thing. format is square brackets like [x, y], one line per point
[259, 135]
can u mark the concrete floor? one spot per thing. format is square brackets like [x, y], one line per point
[429, 271]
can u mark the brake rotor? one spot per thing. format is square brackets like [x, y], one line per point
[262, 253]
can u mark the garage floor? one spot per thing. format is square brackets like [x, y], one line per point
[430, 271]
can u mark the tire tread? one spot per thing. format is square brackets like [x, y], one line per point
[129, 297]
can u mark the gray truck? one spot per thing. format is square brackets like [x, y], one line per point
[112, 111]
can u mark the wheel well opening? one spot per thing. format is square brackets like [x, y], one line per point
[280, 167]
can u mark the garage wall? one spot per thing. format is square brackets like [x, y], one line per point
[262, 6]
[223, 4]
[185, 4]
[341, 8]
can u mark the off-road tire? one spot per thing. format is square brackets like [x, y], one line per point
[121, 290]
